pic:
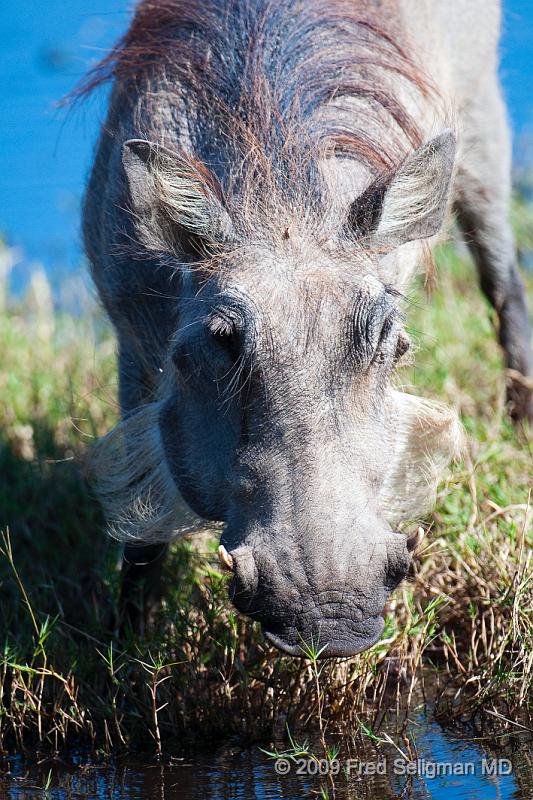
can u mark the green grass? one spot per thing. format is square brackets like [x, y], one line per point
[462, 626]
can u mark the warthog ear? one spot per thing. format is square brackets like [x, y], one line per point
[172, 198]
[412, 203]
[416, 199]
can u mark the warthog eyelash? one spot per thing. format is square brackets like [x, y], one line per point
[230, 342]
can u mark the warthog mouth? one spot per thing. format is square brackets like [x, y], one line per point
[334, 639]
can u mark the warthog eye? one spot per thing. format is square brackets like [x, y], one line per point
[382, 351]
[402, 345]
[375, 326]
[387, 345]
[226, 334]
[210, 345]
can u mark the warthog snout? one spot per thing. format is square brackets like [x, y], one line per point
[337, 612]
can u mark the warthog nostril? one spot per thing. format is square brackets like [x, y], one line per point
[225, 559]
[414, 541]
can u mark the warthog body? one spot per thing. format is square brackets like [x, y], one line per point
[267, 182]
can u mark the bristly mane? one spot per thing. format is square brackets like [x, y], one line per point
[269, 87]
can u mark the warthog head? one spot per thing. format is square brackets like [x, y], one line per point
[276, 414]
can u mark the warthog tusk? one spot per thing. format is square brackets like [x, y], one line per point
[414, 541]
[225, 559]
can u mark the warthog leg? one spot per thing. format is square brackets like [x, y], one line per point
[483, 200]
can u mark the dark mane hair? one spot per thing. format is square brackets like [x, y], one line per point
[271, 86]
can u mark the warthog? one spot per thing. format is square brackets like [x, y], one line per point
[269, 177]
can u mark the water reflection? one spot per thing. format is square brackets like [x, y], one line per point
[234, 773]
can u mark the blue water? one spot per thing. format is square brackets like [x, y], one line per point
[233, 773]
[45, 152]
[45, 47]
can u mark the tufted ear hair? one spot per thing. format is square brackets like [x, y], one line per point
[412, 203]
[171, 197]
